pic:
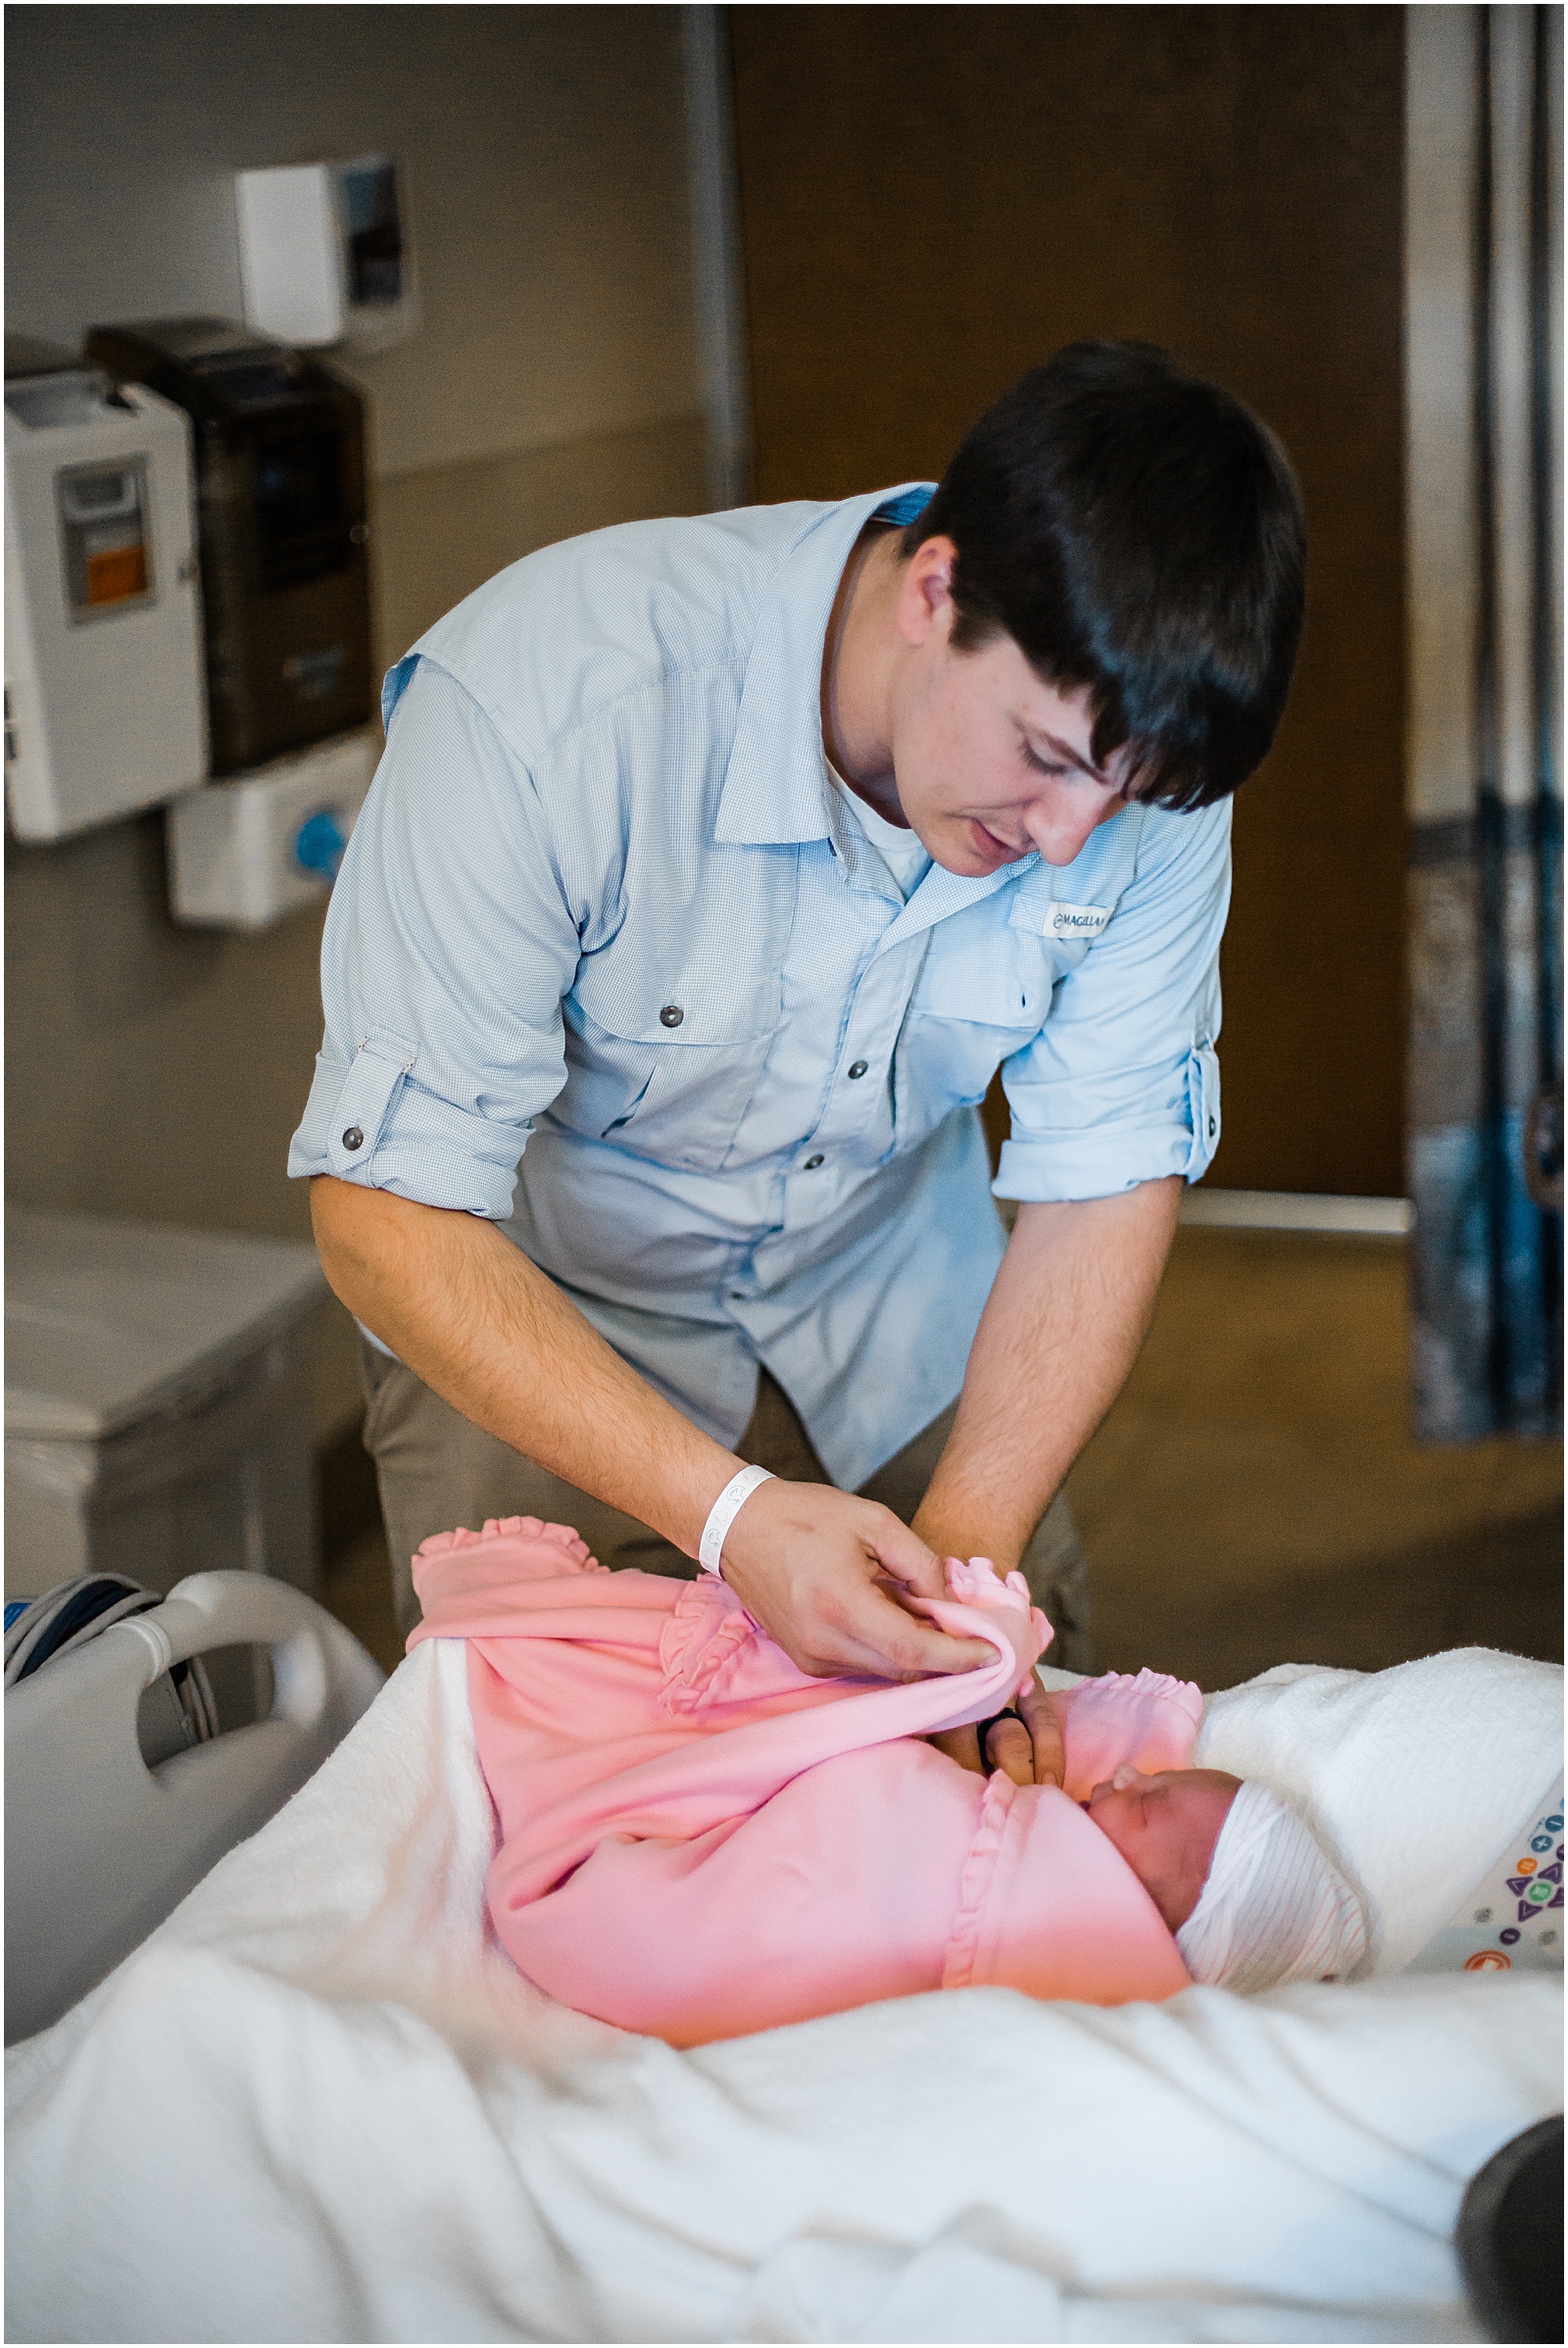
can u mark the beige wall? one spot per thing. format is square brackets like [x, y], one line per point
[441, 531]
[155, 1072]
[543, 159]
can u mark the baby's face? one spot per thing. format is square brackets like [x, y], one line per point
[1165, 1827]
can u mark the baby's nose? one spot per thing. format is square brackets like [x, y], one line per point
[1118, 1782]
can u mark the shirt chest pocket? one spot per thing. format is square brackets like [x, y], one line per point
[980, 997]
[1000, 979]
[663, 1060]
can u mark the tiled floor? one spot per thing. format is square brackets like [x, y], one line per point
[1254, 1498]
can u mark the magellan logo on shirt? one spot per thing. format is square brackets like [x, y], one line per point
[1078, 920]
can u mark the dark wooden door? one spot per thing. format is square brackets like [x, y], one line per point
[934, 198]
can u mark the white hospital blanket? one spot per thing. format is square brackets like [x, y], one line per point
[320, 2104]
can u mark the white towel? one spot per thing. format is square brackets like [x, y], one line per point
[1412, 1779]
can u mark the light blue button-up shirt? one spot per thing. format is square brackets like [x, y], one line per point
[610, 961]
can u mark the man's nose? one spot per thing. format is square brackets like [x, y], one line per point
[1060, 825]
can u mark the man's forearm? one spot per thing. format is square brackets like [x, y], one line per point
[482, 1326]
[1063, 1327]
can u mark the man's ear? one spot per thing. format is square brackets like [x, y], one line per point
[926, 591]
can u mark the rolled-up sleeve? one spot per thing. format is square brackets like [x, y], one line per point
[448, 946]
[1121, 1085]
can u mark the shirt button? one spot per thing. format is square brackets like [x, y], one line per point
[858, 1068]
[671, 1016]
[1212, 1126]
[813, 1163]
[353, 1138]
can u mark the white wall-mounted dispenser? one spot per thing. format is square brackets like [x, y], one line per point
[105, 709]
[244, 853]
[324, 254]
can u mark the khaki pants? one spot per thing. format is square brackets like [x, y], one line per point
[436, 1470]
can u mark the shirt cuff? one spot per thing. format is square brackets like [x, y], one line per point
[1101, 1160]
[1090, 1165]
[372, 1124]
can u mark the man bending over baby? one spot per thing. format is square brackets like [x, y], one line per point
[697, 1840]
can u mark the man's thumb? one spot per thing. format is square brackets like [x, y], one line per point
[904, 1555]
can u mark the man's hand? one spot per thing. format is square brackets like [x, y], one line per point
[489, 1333]
[1031, 1749]
[821, 1569]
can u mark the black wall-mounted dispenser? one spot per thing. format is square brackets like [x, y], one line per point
[279, 456]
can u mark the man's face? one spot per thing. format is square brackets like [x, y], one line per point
[990, 763]
[1165, 1826]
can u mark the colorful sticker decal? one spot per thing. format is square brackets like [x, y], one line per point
[1518, 1893]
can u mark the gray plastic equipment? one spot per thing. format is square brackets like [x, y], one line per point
[99, 1847]
[158, 1409]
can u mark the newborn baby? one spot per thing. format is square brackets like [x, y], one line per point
[1242, 1883]
[696, 1840]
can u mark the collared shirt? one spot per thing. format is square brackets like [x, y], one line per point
[903, 853]
[605, 907]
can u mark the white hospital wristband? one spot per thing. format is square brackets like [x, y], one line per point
[725, 1509]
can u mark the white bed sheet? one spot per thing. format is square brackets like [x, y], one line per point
[321, 2105]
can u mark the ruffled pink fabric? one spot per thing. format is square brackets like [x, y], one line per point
[1161, 1716]
[696, 1840]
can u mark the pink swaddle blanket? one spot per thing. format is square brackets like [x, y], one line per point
[696, 1840]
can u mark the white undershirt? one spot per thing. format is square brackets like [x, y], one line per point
[901, 849]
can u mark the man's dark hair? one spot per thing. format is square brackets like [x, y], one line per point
[1137, 532]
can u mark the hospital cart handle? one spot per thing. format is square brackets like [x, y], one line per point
[238, 1609]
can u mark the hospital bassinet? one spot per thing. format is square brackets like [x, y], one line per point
[318, 2103]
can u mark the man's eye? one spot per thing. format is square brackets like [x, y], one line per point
[1042, 765]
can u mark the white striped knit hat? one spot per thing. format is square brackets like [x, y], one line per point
[1275, 1908]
